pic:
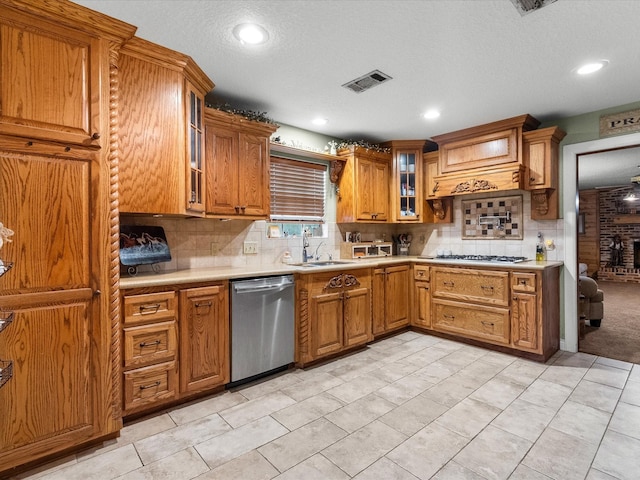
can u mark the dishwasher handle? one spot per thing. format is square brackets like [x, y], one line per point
[240, 288]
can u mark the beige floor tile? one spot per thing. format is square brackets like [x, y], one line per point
[598, 475]
[106, 466]
[619, 456]
[360, 413]
[46, 469]
[524, 419]
[481, 371]
[360, 449]
[167, 443]
[436, 372]
[427, 451]
[564, 375]
[254, 409]
[295, 447]
[394, 371]
[357, 388]
[635, 373]
[546, 394]
[312, 385]
[307, 411]
[631, 393]
[578, 359]
[250, 466]
[404, 389]
[525, 473]
[271, 384]
[385, 344]
[427, 356]
[468, 417]
[497, 358]
[614, 363]
[523, 372]
[452, 390]
[606, 375]
[354, 367]
[463, 357]
[183, 465]
[384, 469]
[314, 468]
[413, 415]
[498, 392]
[626, 420]
[596, 395]
[494, 453]
[455, 471]
[239, 441]
[408, 336]
[205, 407]
[561, 456]
[581, 421]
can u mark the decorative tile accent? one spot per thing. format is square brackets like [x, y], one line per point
[491, 218]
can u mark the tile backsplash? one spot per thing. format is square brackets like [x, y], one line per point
[202, 243]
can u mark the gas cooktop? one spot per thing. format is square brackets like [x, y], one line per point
[481, 258]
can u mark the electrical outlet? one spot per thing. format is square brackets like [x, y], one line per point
[250, 248]
[214, 248]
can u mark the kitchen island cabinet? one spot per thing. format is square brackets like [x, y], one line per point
[237, 166]
[58, 164]
[161, 131]
[333, 313]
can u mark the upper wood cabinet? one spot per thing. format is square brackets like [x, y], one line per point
[407, 181]
[59, 70]
[364, 186]
[236, 165]
[161, 131]
[437, 209]
[541, 152]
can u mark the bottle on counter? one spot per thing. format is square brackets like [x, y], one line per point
[540, 250]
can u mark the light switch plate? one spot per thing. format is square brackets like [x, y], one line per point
[250, 248]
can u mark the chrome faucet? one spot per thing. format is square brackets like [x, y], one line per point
[305, 243]
[318, 248]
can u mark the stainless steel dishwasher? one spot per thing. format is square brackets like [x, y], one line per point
[262, 326]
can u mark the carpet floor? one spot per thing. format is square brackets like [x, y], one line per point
[618, 336]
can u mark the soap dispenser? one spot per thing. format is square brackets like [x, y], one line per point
[540, 250]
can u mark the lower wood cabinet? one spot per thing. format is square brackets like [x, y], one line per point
[421, 311]
[333, 313]
[391, 295]
[204, 338]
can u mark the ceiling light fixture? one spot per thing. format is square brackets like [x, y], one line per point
[319, 121]
[592, 67]
[250, 33]
[631, 197]
[431, 114]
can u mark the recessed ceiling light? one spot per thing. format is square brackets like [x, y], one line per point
[250, 33]
[431, 114]
[592, 67]
[319, 121]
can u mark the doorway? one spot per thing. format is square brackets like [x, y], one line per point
[570, 155]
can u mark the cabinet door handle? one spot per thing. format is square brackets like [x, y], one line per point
[514, 297]
[435, 187]
[95, 136]
[420, 273]
[203, 304]
[486, 287]
[154, 384]
[532, 179]
[449, 316]
[448, 284]
[149, 344]
[522, 282]
[243, 208]
[487, 324]
[347, 296]
[149, 309]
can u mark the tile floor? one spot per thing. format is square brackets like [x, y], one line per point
[409, 407]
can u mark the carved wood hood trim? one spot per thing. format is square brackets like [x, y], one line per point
[474, 185]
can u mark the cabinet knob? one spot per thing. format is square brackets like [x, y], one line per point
[97, 293]
[95, 136]
[67, 149]
[532, 179]
[514, 297]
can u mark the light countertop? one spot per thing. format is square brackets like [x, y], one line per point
[196, 275]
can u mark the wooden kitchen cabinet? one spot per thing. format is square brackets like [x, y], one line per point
[333, 313]
[421, 312]
[436, 210]
[391, 295]
[541, 152]
[59, 70]
[525, 327]
[204, 338]
[161, 131]
[236, 165]
[150, 350]
[407, 181]
[364, 186]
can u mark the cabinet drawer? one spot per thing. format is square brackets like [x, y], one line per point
[148, 385]
[468, 285]
[149, 344]
[151, 307]
[421, 272]
[473, 321]
[523, 282]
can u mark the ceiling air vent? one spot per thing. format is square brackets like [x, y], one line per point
[367, 81]
[528, 6]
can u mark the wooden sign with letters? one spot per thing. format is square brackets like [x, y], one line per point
[620, 123]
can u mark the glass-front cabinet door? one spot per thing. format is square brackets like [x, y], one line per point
[407, 184]
[407, 180]
[195, 139]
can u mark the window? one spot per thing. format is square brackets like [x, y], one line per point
[297, 191]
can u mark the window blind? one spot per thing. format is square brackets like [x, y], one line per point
[297, 191]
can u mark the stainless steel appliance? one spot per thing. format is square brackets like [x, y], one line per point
[480, 258]
[262, 326]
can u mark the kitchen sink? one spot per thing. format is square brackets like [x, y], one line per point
[325, 263]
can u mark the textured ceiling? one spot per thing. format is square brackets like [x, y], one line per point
[476, 60]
